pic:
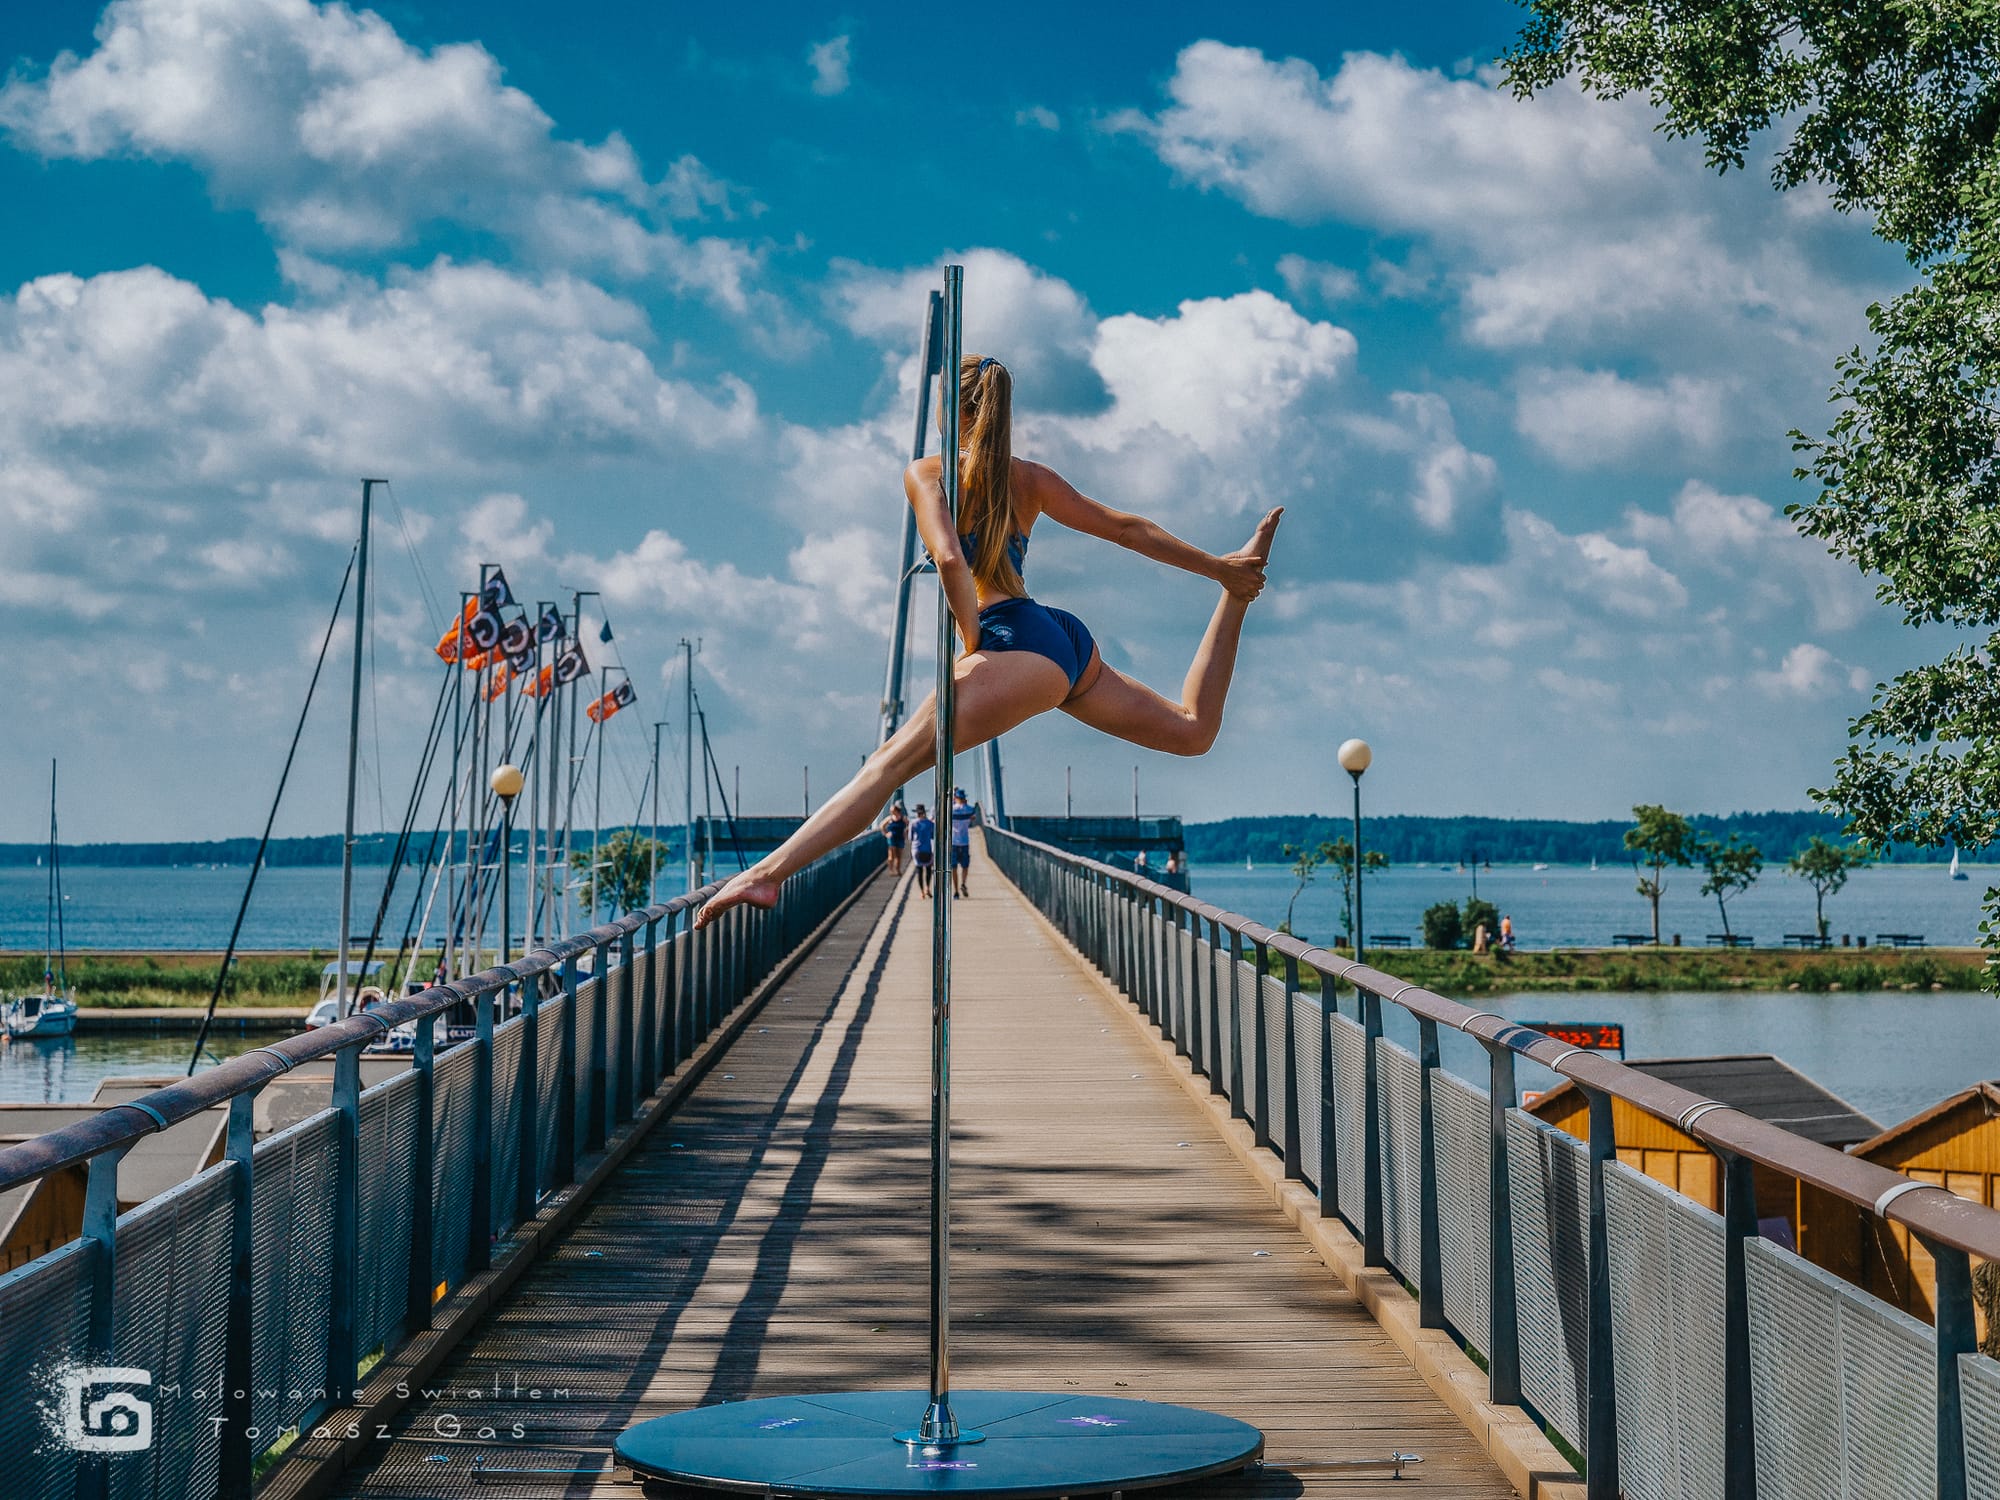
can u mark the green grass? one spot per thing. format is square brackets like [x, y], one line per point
[1463, 973]
[174, 979]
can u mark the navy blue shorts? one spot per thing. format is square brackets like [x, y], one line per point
[961, 856]
[1024, 625]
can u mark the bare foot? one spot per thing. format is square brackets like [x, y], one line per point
[1242, 571]
[745, 887]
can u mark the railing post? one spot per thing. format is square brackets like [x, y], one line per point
[528, 1114]
[1601, 1423]
[1329, 1119]
[598, 1103]
[479, 1218]
[1260, 1044]
[1430, 1252]
[234, 1462]
[565, 1165]
[100, 1228]
[343, 1357]
[417, 1287]
[1957, 1334]
[1503, 1356]
[628, 1045]
[649, 1014]
[1372, 1253]
[1294, 1149]
[1237, 1111]
[1739, 1224]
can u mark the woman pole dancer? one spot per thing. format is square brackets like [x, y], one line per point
[1022, 658]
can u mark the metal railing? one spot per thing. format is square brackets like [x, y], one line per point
[236, 1309]
[1674, 1350]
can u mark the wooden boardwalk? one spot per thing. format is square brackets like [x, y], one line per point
[771, 1239]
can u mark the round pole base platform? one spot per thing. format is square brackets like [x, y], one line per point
[1034, 1443]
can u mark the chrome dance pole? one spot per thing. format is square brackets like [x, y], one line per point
[939, 1427]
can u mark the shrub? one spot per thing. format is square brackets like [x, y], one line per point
[1442, 928]
[1477, 911]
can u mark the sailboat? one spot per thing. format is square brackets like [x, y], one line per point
[53, 1012]
[1956, 873]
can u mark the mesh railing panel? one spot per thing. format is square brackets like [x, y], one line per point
[1185, 1027]
[586, 1029]
[1667, 1338]
[1245, 1038]
[170, 1311]
[1306, 1015]
[1979, 1385]
[1276, 1012]
[451, 1176]
[1459, 1117]
[506, 1147]
[1398, 1086]
[548, 1063]
[1549, 1176]
[44, 1328]
[290, 1270]
[388, 1141]
[1843, 1393]
[1350, 1097]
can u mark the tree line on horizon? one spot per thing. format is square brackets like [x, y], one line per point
[1407, 839]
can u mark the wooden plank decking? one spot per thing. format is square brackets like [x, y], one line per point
[771, 1238]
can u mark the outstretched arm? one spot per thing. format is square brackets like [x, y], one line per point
[941, 541]
[1240, 573]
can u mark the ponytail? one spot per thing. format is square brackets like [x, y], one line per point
[986, 500]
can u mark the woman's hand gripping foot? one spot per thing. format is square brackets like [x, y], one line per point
[1242, 572]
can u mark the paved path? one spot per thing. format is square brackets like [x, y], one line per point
[771, 1239]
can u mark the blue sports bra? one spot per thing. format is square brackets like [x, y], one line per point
[1017, 548]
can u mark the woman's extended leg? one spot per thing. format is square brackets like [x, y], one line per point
[994, 693]
[1127, 708]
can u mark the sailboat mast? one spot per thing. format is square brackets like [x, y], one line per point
[58, 963]
[353, 747]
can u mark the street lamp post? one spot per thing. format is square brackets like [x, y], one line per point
[1355, 757]
[506, 782]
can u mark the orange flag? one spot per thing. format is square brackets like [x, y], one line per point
[535, 686]
[610, 703]
[501, 677]
[447, 646]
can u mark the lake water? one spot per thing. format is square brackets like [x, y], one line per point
[68, 1070]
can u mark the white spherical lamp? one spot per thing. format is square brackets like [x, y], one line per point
[507, 781]
[1355, 756]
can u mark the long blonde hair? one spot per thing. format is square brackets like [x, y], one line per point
[986, 499]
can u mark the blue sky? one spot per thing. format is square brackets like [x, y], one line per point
[622, 297]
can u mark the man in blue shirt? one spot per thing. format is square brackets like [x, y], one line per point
[964, 818]
[923, 840]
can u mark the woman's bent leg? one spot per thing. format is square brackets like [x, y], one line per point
[1125, 707]
[994, 693]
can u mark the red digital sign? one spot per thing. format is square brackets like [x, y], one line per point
[1596, 1036]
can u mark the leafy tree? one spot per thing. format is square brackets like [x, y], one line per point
[1442, 928]
[1479, 910]
[622, 878]
[1339, 855]
[1732, 868]
[1659, 841]
[1891, 108]
[1825, 867]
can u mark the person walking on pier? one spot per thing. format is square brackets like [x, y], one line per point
[923, 842]
[964, 818]
[896, 829]
[1022, 658]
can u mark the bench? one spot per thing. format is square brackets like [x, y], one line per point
[1632, 939]
[1388, 940]
[1807, 940]
[1901, 939]
[1730, 940]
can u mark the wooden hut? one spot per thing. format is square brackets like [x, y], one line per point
[1757, 1084]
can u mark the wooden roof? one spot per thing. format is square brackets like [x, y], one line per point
[1763, 1087]
[1984, 1095]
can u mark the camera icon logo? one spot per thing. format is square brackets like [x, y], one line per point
[101, 1420]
